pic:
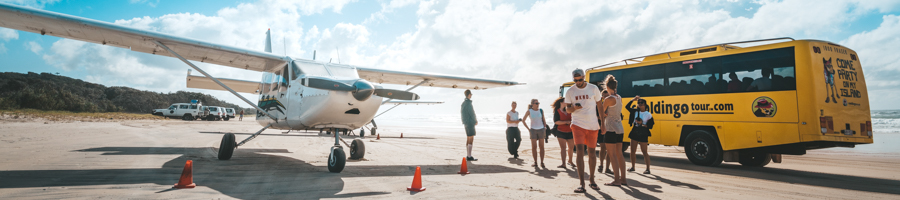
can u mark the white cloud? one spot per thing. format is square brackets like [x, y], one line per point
[33, 47]
[2, 48]
[877, 53]
[8, 34]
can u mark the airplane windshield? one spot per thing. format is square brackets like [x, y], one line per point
[343, 71]
[314, 69]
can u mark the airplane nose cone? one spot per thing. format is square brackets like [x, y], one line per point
[364, 90]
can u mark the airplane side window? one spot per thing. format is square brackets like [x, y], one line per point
[297, 71]
[284, 78]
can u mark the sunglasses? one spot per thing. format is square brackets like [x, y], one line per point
[579, 80]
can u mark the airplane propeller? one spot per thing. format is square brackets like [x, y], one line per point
[361, 89]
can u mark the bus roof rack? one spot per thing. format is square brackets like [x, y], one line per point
[715, 45]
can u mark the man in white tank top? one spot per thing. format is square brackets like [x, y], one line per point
[582, 100]
[513, 134]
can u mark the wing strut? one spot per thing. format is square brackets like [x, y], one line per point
[216, 80]
[413, 87]
[253, 136]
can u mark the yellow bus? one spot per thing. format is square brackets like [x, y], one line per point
[748, 104]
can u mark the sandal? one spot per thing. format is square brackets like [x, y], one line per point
[611, 184]
[542, 166]
[561, 166]
[579, 190]
[647, 172]
[609, 171]
[594, 186]
[631, 169]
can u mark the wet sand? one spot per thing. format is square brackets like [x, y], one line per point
[142, 159]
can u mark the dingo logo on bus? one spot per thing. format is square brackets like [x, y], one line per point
[764, 107]
[677, 110]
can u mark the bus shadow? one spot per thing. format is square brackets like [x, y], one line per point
[867, 184]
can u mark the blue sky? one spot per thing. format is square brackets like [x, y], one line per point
[528, 41]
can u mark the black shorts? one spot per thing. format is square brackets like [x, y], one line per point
[612, 138]
[470, 130]
[564, 135]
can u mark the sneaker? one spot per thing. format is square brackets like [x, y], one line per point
[470, 158]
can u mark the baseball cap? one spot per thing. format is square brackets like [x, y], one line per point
[578, 72]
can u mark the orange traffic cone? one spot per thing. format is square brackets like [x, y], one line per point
[401, 135]
[417, 181]
[187, 176]
[463, 169]
[378, 136]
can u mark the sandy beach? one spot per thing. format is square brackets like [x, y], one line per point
[142, 159]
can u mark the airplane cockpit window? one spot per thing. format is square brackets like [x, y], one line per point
[297, 71]
[315, 69]
[343, 71]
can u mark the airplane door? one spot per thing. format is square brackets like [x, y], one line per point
[274, 96]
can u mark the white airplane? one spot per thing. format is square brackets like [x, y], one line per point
[294, 94]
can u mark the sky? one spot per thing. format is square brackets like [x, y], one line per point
[535, 42]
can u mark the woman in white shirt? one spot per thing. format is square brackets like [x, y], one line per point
[536, 130]
[641, 122]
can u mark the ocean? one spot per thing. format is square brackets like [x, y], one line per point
[886, 125]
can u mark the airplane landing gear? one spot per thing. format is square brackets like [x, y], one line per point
[226, 147]
[337, 159]
[357, 149]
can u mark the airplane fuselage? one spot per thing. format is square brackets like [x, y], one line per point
[298, 107]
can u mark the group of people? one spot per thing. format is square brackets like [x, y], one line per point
[583, 118]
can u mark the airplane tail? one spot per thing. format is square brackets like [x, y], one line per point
[269, 41]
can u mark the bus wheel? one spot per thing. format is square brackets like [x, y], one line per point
[754, 159]
[702, 149]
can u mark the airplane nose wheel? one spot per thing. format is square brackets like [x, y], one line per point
[336, 159]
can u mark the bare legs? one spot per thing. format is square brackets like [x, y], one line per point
[535, 144]
[563, 149]
[579, 162]
[643, 145]
[618, 163]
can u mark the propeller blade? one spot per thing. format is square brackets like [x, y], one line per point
[396, 94]
[327, 84]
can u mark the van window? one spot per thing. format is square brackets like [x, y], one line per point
[183, 106]
[193, 107]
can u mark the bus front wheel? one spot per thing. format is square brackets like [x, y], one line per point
[703, 149]
[754, 159]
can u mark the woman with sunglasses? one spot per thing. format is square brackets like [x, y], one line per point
[536, 130]
[641, 122]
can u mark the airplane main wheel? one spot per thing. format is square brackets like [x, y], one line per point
[336, 160]
[357, 149]
[226, 148]
[373, 131]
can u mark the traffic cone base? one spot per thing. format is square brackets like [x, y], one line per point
[417, 181]
[463, 169]
[378, 136]
[401, 135]
[187, 176]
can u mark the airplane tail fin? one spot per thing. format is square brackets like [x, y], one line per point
[269, 41]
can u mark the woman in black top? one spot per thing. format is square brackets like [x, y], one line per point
[641, 122]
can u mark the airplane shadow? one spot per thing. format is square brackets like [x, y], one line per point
[775, 174]
[250, 174]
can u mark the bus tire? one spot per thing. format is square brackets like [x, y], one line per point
[754, 159]
[703, 149]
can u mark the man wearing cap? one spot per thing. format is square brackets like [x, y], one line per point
[581, 101]
[469, 120]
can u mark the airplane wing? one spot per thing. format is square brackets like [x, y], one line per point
[403, 102]
[89, 30]
[203, 82]
[433, 80]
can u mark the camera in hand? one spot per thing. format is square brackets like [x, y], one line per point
[578, 104]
